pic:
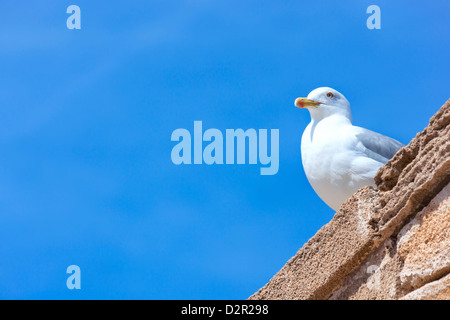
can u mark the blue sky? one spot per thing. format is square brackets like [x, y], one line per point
[86, 118]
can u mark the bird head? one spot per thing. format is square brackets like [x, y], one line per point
[323, 102]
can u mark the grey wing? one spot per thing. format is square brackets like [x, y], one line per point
[377, 146]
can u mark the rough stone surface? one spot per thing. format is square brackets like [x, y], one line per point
[424, 244]
[436, 290]
[392, 242]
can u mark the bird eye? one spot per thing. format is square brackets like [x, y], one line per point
[330, 95]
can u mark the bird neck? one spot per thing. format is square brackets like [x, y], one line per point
[330, 111]
[336, 117]
[335, 121]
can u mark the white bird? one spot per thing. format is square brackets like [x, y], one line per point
[339, 158]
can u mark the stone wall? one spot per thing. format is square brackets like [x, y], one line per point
[392, 242]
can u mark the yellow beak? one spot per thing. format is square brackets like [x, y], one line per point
[305, 102]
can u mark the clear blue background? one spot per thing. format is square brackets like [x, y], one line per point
[86, 118]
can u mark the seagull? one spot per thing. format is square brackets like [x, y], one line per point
[338, 157]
